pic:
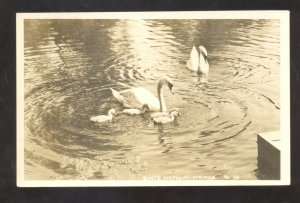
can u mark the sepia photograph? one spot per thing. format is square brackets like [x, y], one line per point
[153, 98]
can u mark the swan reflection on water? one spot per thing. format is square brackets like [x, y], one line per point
[202, 78]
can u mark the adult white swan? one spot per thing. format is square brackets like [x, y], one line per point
[198, 60]
[138, 96]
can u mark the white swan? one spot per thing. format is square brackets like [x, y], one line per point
[104, 118]
[138, 96]
[166, 119]
[163, 114]
[145, 108]
[198, 60]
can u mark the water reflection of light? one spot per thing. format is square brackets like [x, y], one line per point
[148, 44]
[137, 32]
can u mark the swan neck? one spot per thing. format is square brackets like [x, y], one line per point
[110, 114]
[162, 106]
[202, 63]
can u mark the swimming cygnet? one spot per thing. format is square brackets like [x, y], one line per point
[166, 119]
[145, 108]
[164, 114]
[104, 118]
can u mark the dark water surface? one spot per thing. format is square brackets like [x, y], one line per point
[71, 64]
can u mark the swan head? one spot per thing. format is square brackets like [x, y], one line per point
[174, 109]
[112, 112]
[145, 107]
[167, 80]
[203, 52]
[175, 112]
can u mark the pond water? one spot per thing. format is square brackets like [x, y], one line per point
[71, 64]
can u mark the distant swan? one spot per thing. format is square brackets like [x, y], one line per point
[145, 108]
[166, 119]
[104, 118]
[138, 96]
[198, 60]
[163, 114]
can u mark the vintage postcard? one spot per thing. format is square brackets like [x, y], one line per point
[153, 99]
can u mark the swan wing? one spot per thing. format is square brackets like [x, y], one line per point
[127, 98]
[193, 61]
[137, 97]
[118, 96]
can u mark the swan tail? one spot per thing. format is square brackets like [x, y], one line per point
[117, 95]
